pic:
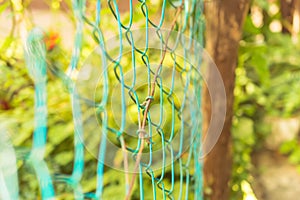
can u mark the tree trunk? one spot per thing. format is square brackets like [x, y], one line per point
[287, 10]
[296, 20]
[224, 20]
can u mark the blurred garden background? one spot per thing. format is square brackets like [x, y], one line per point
[265, 131]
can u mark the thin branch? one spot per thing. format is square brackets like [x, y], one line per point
[125, 155]
[151, 93]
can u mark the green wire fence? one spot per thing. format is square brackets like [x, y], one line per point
[137, 97]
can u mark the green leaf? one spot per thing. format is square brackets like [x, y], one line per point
[243, 131]
[295, 156]
[4, 6]
[249, 27]
[288, 146]
[262, 4]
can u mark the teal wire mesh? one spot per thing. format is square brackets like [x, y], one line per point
[147, 103]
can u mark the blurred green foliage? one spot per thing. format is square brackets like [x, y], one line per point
[17, 103]
[267, 85]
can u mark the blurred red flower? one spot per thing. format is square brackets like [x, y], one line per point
[52, 40]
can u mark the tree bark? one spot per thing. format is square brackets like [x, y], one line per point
[296, 20]
[287, 10]
[224, 20]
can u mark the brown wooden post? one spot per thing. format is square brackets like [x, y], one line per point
[224, 21]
